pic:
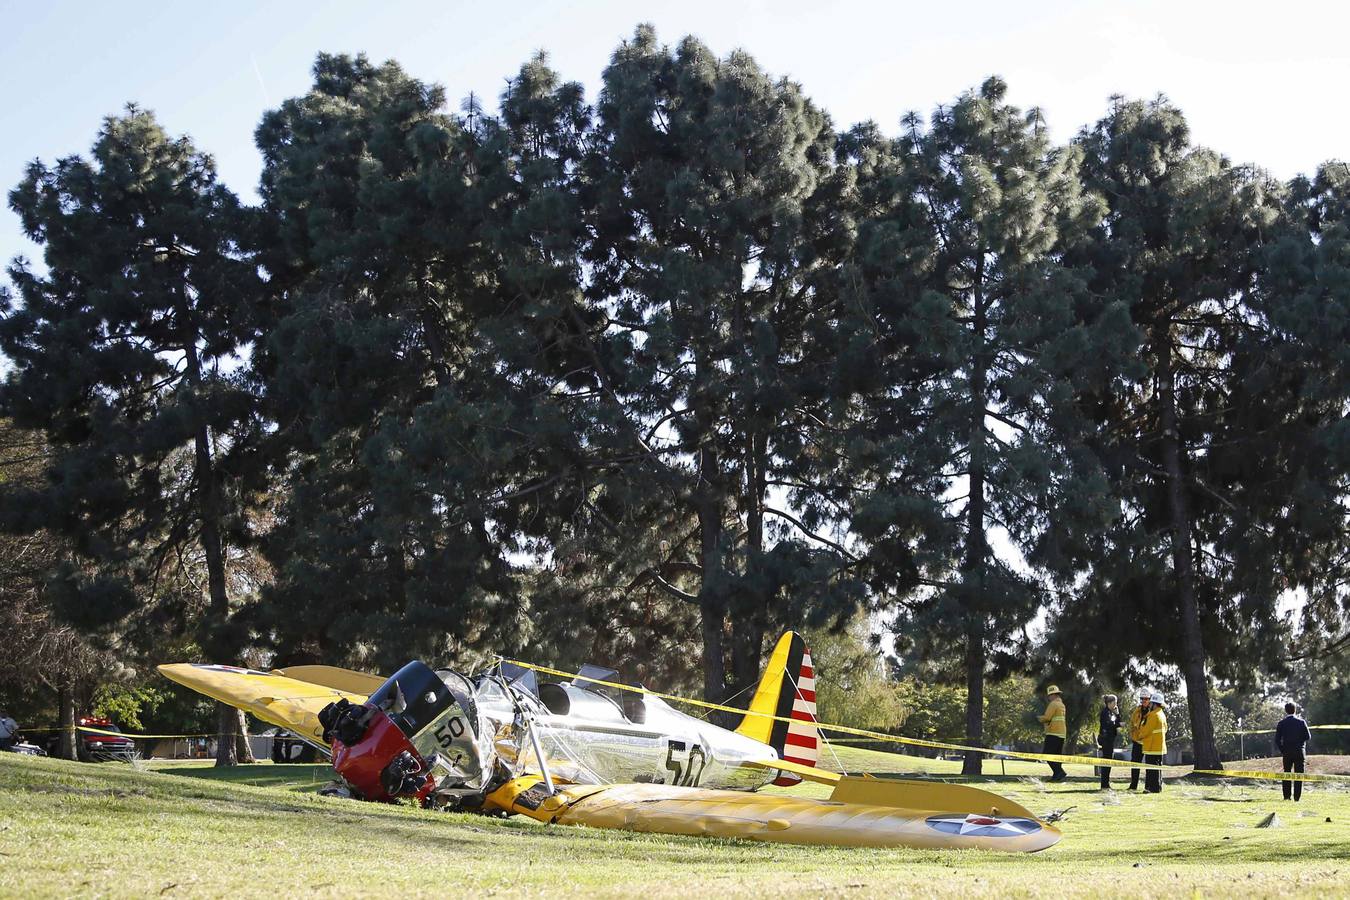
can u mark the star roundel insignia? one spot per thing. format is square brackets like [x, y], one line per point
[982, 826]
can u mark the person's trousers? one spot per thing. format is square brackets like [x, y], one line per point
[1055, 744]
[1105, 771]
[1153, 777]
[1293, 763]
[1136, 755]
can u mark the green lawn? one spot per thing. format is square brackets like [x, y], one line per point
[184, 830]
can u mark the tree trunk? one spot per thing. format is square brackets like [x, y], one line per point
[227, 728]
[711, 600]
[750, 613]
[208, 492]
[241, 746]
[746, 648]
[216, 641]
[977, 546]
[65, 699]
[208, 498]
[712, 606]
[1192, 641]
[710, 503]
[975, 658]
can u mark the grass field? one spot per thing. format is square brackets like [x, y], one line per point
[186, 830]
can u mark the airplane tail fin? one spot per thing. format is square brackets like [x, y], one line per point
[787, 690]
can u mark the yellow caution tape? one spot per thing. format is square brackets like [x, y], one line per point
[149, 736]
[124, 734]
[845, 729]
[1313, 727]
[1271, 776]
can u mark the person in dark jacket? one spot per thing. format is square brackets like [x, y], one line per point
[1108, 726]
[9, 731]
[1291, 739]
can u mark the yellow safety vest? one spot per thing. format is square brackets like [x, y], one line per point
[1153, 733]
[1137, 717]
[1054, 718]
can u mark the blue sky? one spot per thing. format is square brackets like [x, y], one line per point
[1261, 81]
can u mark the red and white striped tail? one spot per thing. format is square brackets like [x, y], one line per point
[802, 743]
[783, 711]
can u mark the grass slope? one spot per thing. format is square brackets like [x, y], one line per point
[70, 829]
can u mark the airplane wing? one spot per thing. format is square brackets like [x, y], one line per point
[809, 773]
[275, 697]
[348, 681]
[862, 812]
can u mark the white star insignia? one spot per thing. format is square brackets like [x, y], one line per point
[975, 823]
[987, 826]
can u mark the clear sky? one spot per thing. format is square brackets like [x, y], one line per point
[1260, 81]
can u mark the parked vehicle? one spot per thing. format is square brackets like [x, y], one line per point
[102, 742]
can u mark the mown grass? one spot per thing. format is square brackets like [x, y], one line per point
[70, 829]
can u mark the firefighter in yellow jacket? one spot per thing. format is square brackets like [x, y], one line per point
[1137, 717]
[1153, 735]
[1055, 730]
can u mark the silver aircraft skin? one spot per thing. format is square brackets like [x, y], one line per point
[588, 738]
[498, 727]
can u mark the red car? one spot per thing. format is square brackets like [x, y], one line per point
[97, 746]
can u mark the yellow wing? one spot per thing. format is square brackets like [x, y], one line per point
[339, 679]
[287, 702]
[862, 812]
[810, 773]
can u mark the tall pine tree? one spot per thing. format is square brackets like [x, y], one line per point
[978, 338]
[427, 277]
[127, 354]
[1208, 445]
[710, 250]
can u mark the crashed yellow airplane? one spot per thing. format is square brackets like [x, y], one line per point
[582, 753]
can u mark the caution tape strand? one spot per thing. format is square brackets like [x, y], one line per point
[919, 742]
[1271, 776]
[124, 734]
[1313, 727]
[846, 729]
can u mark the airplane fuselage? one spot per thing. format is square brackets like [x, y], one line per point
[587, 738]
[472, 733]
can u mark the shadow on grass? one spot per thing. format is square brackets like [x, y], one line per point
[298, 777]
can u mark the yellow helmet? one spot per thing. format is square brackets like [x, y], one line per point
[1053, 689]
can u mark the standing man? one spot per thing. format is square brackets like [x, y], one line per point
[1055, 730]
[1291, 739]
[1153, 735]
[1108, 724]
[1137, 717]
[9, 730]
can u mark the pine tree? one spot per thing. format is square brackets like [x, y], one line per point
[41, 650]
[427, 279]
[1208, 445]
[976, 340]
[126, 355]
[709, 259]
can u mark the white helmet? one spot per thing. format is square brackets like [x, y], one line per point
[1158, 697]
